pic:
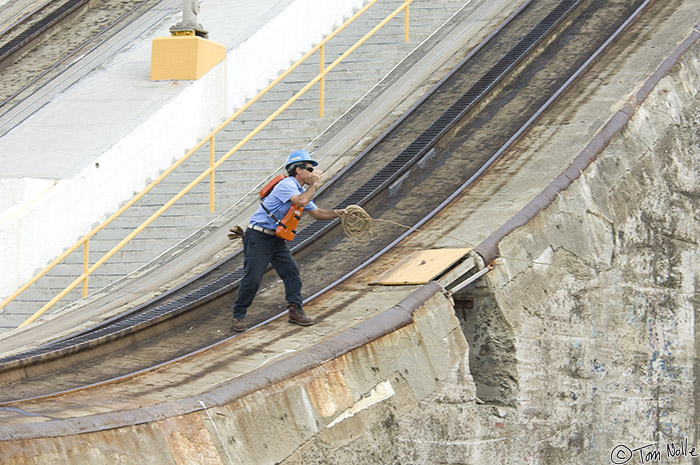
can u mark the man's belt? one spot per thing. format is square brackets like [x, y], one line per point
[269, 232]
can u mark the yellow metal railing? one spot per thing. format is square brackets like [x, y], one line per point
[213, 163]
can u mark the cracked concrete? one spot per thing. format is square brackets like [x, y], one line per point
[582, 340]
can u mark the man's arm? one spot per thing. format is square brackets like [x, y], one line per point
[322, 215]
[307, 196]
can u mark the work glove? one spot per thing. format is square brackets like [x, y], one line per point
[236, 233]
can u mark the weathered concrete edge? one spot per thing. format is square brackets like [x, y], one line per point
[386, 322]
[489, 247]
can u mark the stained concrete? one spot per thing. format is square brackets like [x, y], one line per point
[609, 327]
[264, 415]
[582, 342]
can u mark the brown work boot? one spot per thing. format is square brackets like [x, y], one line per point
[297, 315]
[239, 325]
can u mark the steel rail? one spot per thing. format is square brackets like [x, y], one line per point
[84, 241]
[349, 166]
[24, 19]
[489, 255]
[123, 325]
[53, 18]
[413, 229]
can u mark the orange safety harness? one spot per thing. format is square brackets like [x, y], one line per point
[287, 226]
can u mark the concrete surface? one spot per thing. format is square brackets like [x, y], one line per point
[578, 350]
[362, 77]
[415, 357]
[601, 295]
[136, 127]
[348, 135]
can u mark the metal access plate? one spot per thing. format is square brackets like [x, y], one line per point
[421, 267]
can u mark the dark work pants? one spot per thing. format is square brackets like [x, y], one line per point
[260, 250]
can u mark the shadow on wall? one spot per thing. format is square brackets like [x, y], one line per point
[491, 338]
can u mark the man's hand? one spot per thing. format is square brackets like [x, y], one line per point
[310, 180]
[315, 177]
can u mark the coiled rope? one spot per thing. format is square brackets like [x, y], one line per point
[357, 223]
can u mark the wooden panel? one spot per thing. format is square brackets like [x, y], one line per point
[421, 267]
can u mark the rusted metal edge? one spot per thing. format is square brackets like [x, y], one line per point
[488, 248]
[367, 331]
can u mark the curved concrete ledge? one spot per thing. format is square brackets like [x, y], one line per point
[366, 332]
[393, 361]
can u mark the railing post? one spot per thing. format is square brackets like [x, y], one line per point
[86, 266]
[322, 83]
[211, 175]
[406, 14]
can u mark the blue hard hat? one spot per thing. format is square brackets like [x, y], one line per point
[299, 156]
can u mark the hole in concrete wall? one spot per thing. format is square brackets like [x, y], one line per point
[491, 340]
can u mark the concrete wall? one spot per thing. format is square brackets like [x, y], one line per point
[606, 334]
[582, 344]
[321, 400]
[135, 128]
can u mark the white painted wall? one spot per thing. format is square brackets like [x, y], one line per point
[88, 151]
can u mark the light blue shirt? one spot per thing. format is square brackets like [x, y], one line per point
[278, 202]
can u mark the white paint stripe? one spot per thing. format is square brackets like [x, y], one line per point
[221, 439]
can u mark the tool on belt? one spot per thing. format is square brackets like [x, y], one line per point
[287, 226]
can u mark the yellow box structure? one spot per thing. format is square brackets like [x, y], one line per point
[184, 57]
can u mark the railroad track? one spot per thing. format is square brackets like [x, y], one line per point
[443, 143]
[42, 19]
[46, 41]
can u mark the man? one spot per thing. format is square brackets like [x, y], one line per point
[262, 247]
